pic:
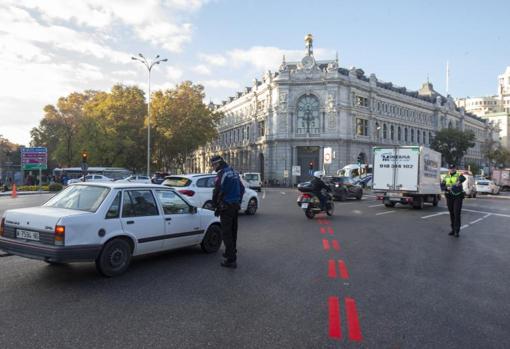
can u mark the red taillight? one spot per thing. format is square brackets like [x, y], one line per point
[60, 234]
[380, 197]
[2, 223]
[187, 192]
[307, 196]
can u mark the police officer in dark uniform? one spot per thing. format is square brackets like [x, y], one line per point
[452, 185]
[227, 196]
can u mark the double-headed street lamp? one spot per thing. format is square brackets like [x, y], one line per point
[149, 64]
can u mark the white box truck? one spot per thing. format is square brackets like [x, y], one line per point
[408, 175]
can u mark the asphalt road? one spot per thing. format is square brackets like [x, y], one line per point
[368, 277]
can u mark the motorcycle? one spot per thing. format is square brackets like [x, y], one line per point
[311, 204]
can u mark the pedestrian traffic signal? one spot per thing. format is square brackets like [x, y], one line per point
[84, 156]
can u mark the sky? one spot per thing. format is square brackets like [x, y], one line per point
[51, 48]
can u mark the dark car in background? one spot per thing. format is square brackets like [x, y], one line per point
[159, 177]
[344, 187]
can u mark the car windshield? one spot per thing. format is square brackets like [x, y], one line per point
[177, 182]
[79, 197]
[251, 177]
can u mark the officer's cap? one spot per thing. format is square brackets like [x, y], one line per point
[215, 159]
[452, 166]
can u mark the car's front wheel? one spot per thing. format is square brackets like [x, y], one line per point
[114, 258]
[252, 207]
[212, 239]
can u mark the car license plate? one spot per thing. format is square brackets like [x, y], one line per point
[27, 235]
[304, 205]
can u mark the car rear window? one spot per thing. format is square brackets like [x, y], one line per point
[79, 197]
[482, 183]
[177, 182]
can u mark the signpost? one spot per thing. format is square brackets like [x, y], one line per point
[34, 158]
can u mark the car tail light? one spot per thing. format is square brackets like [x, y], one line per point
[60, 234]
[307, 196]
[380, 197]
[187, 192]
[2, 224]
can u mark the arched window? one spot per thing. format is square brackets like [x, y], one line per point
[450, 124]
[418, 135]
[412, 135]
[385, 131]
[399, 134]
[392, 132]
[308, 115]
[405, 134]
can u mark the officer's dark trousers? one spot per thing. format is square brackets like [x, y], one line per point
[228, 218]
[455, 207]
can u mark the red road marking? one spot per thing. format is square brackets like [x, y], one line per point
[336, 245]
[325, 244]
[344, 274]
[325, 222]
[352, 320]
[330, 230]
[323, 230]
[335, 331]
[332, 269]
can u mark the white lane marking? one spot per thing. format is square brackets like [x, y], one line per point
[381, 213]
[489, 213]
[434, 215]
[283, 193]
[264, 194]
[464, 226]
[376, 205]
[357, 211]
[480, 219]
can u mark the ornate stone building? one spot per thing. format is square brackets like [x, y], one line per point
[290, 116]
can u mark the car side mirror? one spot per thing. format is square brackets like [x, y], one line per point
[193, 210]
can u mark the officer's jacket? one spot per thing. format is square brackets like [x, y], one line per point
[453, 184]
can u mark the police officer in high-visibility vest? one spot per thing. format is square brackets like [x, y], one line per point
[452, 185]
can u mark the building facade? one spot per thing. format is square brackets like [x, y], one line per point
[290, 116]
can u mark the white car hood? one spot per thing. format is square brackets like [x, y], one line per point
[42, 218]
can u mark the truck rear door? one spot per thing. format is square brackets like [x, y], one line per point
[406, 168]
[383, 170]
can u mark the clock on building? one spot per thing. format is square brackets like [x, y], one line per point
[308, 62]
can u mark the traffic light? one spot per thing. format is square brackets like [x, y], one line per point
[84, 156]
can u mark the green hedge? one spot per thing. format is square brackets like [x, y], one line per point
[51, 187]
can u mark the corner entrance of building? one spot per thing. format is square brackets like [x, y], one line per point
[308, 159]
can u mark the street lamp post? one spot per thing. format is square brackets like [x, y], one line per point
[149, 63]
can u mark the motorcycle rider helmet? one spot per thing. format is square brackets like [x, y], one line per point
[317, 174]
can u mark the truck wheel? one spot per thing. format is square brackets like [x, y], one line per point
[389, 204]
[435, 201]
[418, 203]
[114, 258]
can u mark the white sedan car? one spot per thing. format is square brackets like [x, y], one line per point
[486, 186]
[135, 179]
[90, 178]
[199, 189]
[108, 223]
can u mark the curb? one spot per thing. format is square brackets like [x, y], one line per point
[8, 193]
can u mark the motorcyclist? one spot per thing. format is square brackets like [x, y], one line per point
[318, 185]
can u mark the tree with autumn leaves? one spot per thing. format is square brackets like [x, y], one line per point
[112, 127]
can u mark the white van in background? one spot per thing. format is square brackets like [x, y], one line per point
[253, 179]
